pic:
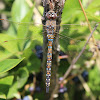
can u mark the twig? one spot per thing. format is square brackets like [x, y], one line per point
[29, 3]
[89, 26]
[73, 62]
[86, 87]
[37, 15]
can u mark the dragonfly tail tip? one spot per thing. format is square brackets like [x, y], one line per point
[47, 89]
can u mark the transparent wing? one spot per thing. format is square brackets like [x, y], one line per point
[26, 35]
[20, 39]
[17, 37]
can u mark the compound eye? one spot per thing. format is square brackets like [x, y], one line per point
[52, 13]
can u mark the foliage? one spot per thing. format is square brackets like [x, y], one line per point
[17, 49]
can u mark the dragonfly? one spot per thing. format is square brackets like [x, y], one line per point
[26, 35]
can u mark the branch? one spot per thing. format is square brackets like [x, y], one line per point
[86, 87]
[89, 26]
[75, 60]
[57, 7]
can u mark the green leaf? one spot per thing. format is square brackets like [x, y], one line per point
[41, 10]
[94, 80]
[8, 64]
[36, 35]
[19, 10]
[93, 11]
[4, 55]
[13, 91]
[71, 8]
[23, 75]
[23, 29]
[21, 80]
[33, 64]
[10, 45]
[2, 96]
[5, 85]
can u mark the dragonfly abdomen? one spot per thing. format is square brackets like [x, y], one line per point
[49, 63]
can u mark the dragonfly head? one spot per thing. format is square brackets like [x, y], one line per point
[51, 15]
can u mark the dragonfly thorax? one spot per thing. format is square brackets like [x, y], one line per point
[50, 29]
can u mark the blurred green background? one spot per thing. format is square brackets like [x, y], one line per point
[21, 40]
